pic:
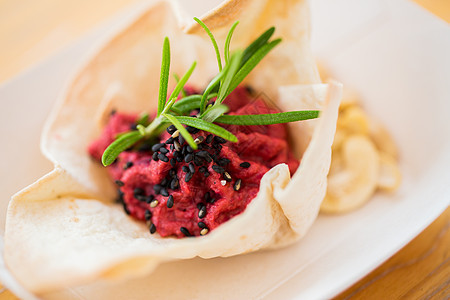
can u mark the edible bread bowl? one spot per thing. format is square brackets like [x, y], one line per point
[65, 229]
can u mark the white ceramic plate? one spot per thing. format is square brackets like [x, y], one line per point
[394, 53]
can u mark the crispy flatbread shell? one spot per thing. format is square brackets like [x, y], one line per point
[65, 230]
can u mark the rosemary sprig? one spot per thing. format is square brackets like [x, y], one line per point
[268, 119]
[213, 40]
[164, 79]
[237, 66]
[226, 51]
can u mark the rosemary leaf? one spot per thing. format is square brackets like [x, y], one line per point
[177, 79]
[231, 69]
[122, 143]
[213, 84]
[207, 126]
[143, 119]
[180, 84]
[251, 64]
[226, 52]
[214, 112]
[213, 40]
[164, 78]
[256, 44]
[268, 119]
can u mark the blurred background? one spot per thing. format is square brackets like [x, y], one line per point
[31, 30]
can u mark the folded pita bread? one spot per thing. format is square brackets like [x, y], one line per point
[65, 230]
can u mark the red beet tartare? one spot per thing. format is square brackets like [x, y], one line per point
[184, 192]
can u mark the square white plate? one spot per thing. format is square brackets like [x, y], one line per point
[397, 57]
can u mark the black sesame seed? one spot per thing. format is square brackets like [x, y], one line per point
[202, 153]
[179, 158]
[223, 162]
[170, 201]
[176, 154]
[164, 182]
[128, 165]
[188, 158]
[237, 185]
[173, 162]
[171, 129]
[202, 212]
[157, 188]
[148, 215]
[181, 139]
[206, 174]
[245, 165]
[174, 184]
[188, 177]
[163, 157]
[201, 225]
[218, 169]
[218, 147]
[191, 168]
[141, 198]
[208, 158]
[156, 147]
[172, 172]
[207, 197]
[169, 141]
[171, 148]
[203, 147]
[113, 112]
[145, 147]
[155, 156]
[185, 231]
[119, 196]
[138, 191]
[164, 192]
[198, 161]
[202, 169]
[249, 89]
[149, 199]
[219, 140]
[119, 183]
[152, 228]
[192, 130]
[199, 205]
[189, 149]
[209, 138]
[133, 126]
[185, 169]
[125, 208]
[163, 150]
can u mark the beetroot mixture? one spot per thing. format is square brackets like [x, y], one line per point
[183, 193]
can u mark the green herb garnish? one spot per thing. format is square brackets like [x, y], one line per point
[172, 111]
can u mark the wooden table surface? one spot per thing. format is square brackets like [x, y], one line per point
[31, 30]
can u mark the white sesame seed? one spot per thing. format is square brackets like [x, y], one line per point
[204, 231]
[154, 203]
[223, 182]
[199, 140]
[176, 134]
